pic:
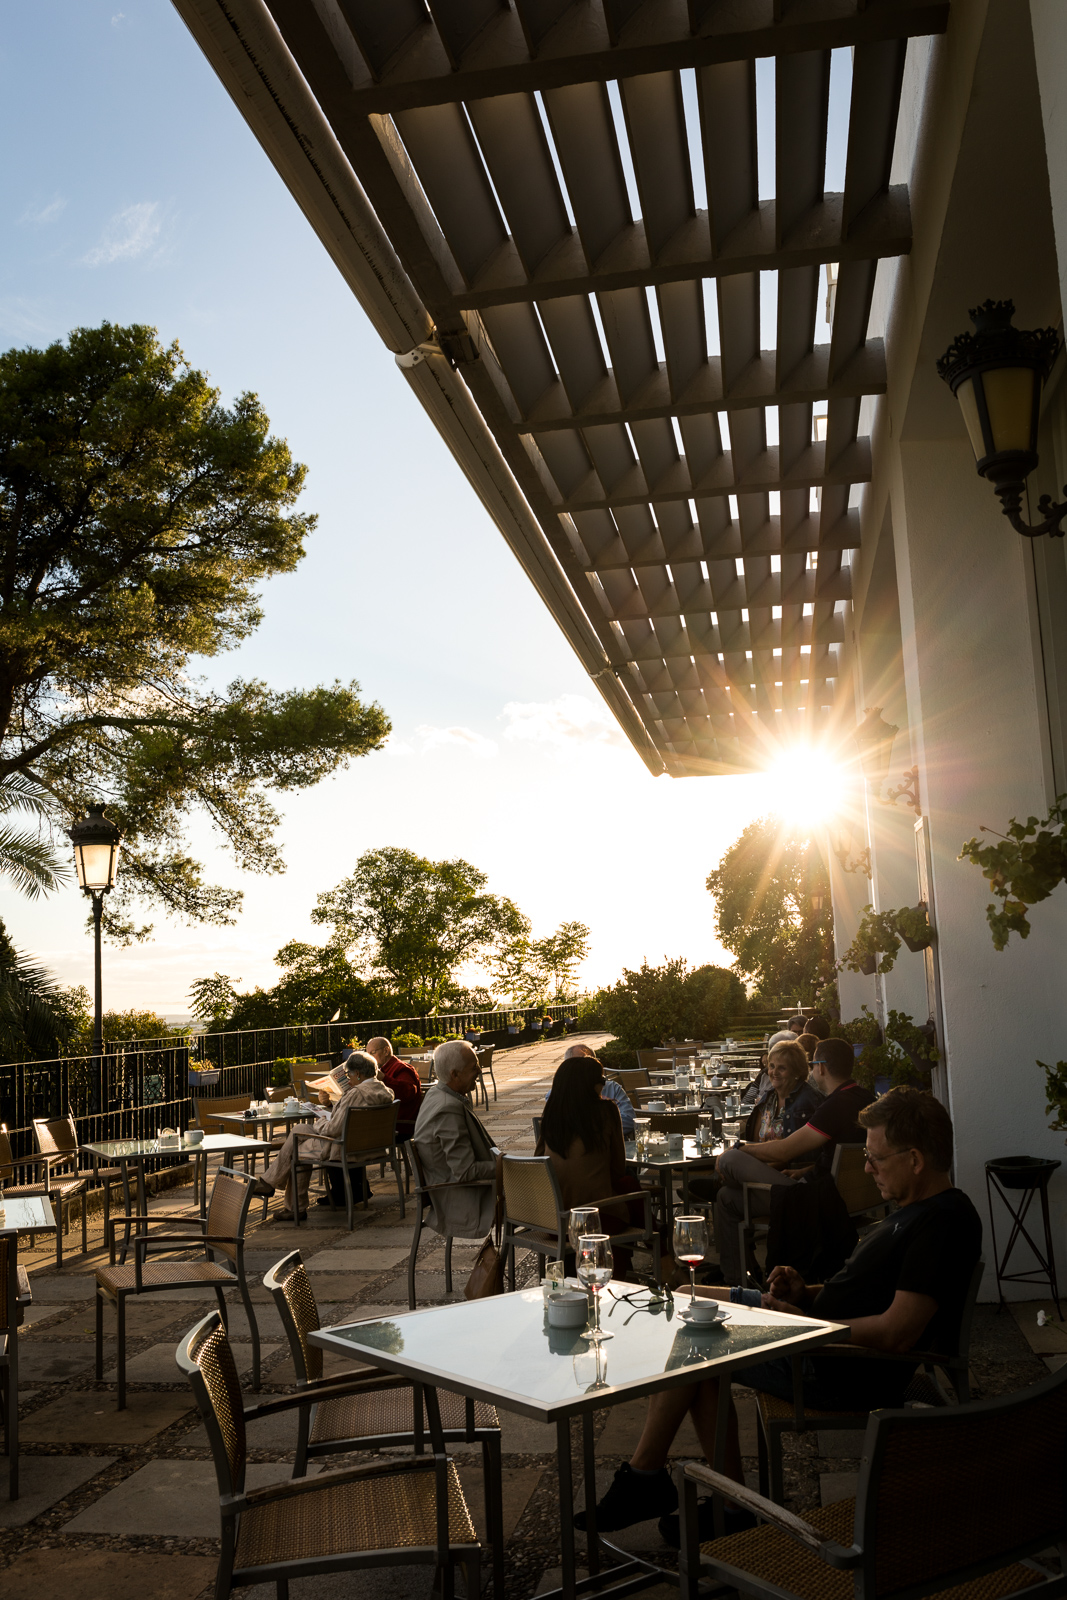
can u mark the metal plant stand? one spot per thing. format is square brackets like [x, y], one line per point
[1022, 1177]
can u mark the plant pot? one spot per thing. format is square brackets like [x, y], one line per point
[925, 940]
[1021, 1172]
[203, 1077]
[869, 966]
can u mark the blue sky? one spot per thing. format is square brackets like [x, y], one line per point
[133, 191]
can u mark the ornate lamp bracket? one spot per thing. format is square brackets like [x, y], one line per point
[908, 791]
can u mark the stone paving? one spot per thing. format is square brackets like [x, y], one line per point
[123, 1504]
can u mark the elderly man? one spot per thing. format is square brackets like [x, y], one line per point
[454, 1148]
[319, 1142]
[403, 1080]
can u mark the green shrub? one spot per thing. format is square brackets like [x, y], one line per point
[617, 1056]
[654, 1004]
[406, 1041]
[589, 1013]
[904, 1054]
[436, 1039]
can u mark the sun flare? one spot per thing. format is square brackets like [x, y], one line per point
[805, 788]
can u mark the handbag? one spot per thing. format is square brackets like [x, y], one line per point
[487, 1274]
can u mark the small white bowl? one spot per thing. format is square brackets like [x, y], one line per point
[194, 1136]
[568, 1310]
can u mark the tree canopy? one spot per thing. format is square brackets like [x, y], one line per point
[138, 518]
[529, 970]
[416, 921]
[763, 888]
[652, 1004]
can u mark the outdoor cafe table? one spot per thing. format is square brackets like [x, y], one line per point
[257, 1119]
[501, 1350]
[33, 1215]
[661, 1158]
[125, 1153]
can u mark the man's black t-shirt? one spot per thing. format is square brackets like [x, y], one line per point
[930, 1247]
[836, 1118]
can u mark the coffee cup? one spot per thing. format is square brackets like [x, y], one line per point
[292, 1103]
[703, 1310]
[194, 1136]
[568, 1310]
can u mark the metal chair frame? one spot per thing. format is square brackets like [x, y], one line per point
[15, 1289]
[887, 1482]
[423, 1193]
[319, 1391]
[355, 1154]
[55, 1195]
[760, 1225]
[955, 1365]
[115, 1282]
[235, 1502]
[58, 1153]
[532, 1234]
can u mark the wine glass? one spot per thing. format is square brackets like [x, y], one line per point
[583, 1219]
[690, 1245]
[594, 1271]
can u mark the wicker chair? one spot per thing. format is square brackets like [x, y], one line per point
[535, 1217]
[221, 1234]
[948, 1502]
[368, 1133]
[406, 1511]
[65, 1178]
[423, 1194]
[778, 1417]
[15, 1296]
[358, 1411]
[56, 1191]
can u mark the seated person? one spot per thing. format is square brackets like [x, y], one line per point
[611, 1090]
[582, 1136]
[807, 1042]
[404, 1082]
[320, 1142]
[786, 1106]
[455, 1148]
[818, 1025]
[903, 1288]
[761, 1084]
[335, 1082]
[833, 1121]
[797, 1024]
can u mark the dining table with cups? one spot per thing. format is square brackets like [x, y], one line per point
[127, 1153]
[539, 1353]
[684, 1154]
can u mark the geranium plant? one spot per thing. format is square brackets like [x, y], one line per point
[876, 936]
[1023, 869]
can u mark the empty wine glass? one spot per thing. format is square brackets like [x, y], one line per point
[690, 1245]
[583, 1219]
[594, 1272]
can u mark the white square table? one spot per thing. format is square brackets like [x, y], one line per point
[502, 1351]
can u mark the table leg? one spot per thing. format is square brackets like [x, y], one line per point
[592, 1542]
[125, 1165]
[566, 1507]
[718, 1465]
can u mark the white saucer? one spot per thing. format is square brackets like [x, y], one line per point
[705, 1322]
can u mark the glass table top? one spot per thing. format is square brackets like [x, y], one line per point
[239, 1119]
[663, 1155]
[20, 1216]
[138, 1149]
[502, 1349]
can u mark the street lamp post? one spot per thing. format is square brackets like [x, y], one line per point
[96, 853]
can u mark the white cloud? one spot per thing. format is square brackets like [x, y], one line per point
[570, 719]
[397, 747]
[120, 16]
[37, 216]
[475, 744]
[130, 233]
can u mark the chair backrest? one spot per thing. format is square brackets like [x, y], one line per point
[419, 1171]
[855, 1184]
[274, 1093]
[369, 1128]
[288, 1283]
[227, 1210]
[205, 1357]
[948, 1493]
[531, 1193]
[7, 1161]
[536, 1128]
[205, 1109]
[630, 1077]
[10, 1310]
[674, 1121]
[56, 1136]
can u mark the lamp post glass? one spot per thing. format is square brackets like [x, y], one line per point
[96, 852]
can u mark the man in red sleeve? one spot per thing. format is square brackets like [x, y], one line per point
[404, 1082]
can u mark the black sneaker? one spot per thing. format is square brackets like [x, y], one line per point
[633, 1497]
[737, 1521]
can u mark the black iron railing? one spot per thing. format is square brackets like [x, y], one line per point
[139, 1086]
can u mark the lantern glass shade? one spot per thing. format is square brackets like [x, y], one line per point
[1000, 410]
[841, 839]
[96, 851]
[817, 902]
[875, 736]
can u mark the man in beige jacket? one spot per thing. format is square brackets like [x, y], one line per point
[364, 1089]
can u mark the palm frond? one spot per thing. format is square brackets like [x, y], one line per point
[20, 793]
[30, 863]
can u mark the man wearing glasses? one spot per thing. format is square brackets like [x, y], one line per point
[903, 1288]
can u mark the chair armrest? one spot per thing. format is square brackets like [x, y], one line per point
[291, 1487]
[785, 1521]
[456, 1183]
[326, 1389]
[192, 1238]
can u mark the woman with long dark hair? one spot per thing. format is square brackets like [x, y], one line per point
[582, 1135]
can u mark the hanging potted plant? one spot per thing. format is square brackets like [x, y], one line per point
[876, 936]
[913, 925]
